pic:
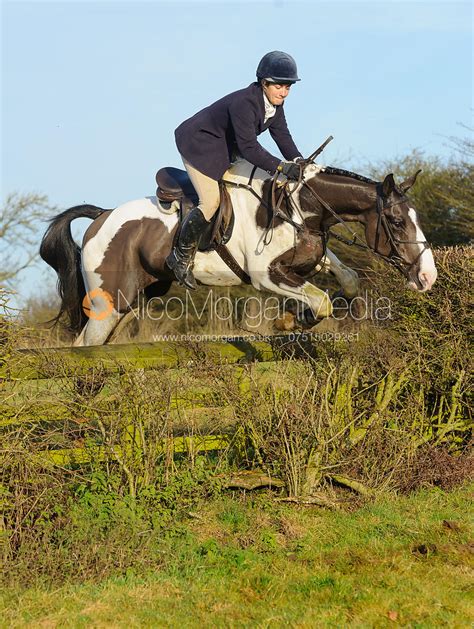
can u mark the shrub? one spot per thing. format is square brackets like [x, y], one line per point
[90, 469]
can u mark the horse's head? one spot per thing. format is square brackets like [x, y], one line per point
[392, 230]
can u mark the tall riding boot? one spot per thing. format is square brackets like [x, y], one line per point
[181, 259]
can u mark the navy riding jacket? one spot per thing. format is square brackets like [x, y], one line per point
[208, 140]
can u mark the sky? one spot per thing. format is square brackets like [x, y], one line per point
[93, 90]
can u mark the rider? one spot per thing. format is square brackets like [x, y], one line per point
[207, 141]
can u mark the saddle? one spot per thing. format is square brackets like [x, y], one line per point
[174, 184]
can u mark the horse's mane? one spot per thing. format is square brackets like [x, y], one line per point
[330, 170]
[241, 169]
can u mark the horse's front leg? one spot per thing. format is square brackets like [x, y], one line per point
[347, 277]
[288, 283]
[285, 275]
[313, 304]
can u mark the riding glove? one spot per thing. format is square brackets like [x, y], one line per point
[290, 169]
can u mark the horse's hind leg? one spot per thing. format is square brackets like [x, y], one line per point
[101, 329]
[79, 341]
[97, 331]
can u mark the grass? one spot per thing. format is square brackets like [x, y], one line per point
[246, 561]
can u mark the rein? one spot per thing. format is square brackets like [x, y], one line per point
[274, 207]
[395, 258]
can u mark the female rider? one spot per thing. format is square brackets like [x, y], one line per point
[208, 140]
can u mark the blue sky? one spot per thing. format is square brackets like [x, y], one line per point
[92, 91]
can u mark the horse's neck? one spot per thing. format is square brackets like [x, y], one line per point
[348, 197]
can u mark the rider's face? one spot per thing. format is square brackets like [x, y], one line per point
[276, 93]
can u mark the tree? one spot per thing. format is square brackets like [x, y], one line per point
[442, 194]
[464, 146]
[20, 219]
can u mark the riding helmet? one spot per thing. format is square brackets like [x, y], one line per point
[279, 67]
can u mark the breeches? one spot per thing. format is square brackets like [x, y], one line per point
[207, 189]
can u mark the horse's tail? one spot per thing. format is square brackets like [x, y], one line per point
[59, 250]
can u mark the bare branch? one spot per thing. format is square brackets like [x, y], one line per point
[20, 218]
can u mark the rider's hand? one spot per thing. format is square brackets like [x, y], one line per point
[290, 169]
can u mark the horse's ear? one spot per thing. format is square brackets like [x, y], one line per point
[408, 183]
[388, 185]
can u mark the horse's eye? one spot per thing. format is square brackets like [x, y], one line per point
[397, 223]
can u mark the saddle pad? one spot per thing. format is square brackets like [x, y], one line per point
[167, 207]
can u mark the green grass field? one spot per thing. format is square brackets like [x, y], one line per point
[248, 561]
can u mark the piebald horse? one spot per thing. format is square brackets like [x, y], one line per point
[124, 250]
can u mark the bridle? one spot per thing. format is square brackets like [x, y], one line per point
[280, 191]
[395, 257]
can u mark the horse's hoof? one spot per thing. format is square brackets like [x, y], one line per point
[286, 322]
[337, 295]
[341, 304]
[306, 319]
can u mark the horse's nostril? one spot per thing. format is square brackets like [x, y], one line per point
[422, 281]
[426, 280]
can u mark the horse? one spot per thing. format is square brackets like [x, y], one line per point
[276, 246]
